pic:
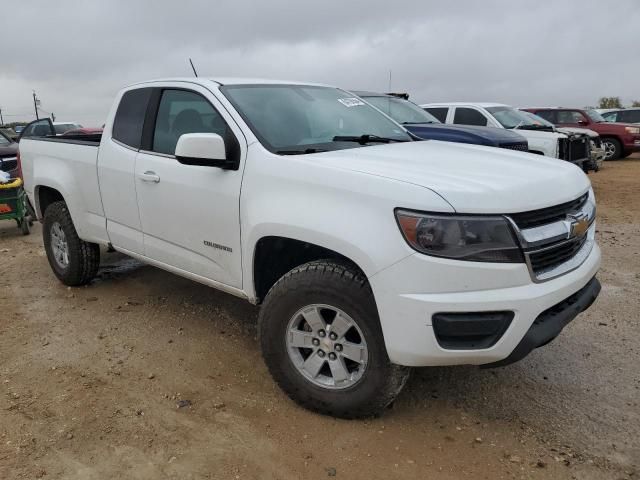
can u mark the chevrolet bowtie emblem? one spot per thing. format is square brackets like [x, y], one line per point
[579, 225]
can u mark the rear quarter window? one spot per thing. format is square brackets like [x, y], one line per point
[129, 119]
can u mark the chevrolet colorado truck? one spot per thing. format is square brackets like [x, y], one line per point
[368, 252]
[541, 140]
[424, 125]
[619, 139]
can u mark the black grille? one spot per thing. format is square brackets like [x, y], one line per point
[554, 256]
[535, 218]
[522, 147]
[573, 149]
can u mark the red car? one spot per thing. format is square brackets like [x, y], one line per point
[618, 139]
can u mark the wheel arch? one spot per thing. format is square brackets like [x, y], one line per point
[45, 196]
[274, 256]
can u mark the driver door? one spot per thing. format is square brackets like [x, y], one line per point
[190, 215]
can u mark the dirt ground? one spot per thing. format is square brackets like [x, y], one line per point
[145, 375]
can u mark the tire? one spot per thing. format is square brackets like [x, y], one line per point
[612, 148]
[80, 260]
[25, 227]
[626, 154]
[324, 287]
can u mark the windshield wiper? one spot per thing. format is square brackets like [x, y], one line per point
[417, 123]
[300, 152]
[366, 138]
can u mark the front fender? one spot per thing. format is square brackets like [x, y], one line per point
[345, 211]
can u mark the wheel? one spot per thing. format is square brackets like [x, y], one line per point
[612, 148]
[25, 227]
[74, 261]
[322, 342]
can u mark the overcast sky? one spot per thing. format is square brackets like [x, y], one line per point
[77, 54]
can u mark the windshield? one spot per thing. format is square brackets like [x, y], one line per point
[539, 120]
[402, 111]
[60, 128]
[595, 116]
[509, 117]
[303, 119]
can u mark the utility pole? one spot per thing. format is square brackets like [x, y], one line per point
[1, 119]
[35, 104]
[53, 117]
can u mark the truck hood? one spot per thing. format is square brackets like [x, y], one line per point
[471, 178]
[538, 134]
[579, 131]
[465, 133]
[9, 150]
[611, 127]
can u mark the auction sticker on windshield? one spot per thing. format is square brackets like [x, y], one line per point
[351, 102]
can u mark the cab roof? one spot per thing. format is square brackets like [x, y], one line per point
[230, 81]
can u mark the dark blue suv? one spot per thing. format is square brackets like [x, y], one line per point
[424, 125]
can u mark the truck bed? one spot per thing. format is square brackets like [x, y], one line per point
[92, 139]
[69, 166]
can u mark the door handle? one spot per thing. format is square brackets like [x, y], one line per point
[149, 176]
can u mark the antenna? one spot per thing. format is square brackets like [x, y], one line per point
[193, 68]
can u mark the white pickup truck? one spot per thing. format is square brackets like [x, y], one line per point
[542, 139]
[369, 252]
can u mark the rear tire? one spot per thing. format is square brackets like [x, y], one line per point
[612, 148]
[74, 261]
[316, 291]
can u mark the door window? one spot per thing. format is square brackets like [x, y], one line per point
[181, 112]
[439, 112]
[548, 115]
[629, 116]
[38, 128]
[469, 116]
[129, 119]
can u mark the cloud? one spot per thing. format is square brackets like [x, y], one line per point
[77, 54]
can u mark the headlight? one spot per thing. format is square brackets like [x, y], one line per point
[470, 238]
[634, 130]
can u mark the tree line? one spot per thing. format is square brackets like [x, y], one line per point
[614, 102]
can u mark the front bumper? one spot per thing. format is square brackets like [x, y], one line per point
[550, 323]
[632, 144]
[454, 286]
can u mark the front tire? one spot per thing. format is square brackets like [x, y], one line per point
[322, 342]
[74, 261]
[612, 148]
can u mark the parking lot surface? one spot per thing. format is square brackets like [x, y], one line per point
[144, 374]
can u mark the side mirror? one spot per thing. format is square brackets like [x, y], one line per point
[583, 122]
[203, 149]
